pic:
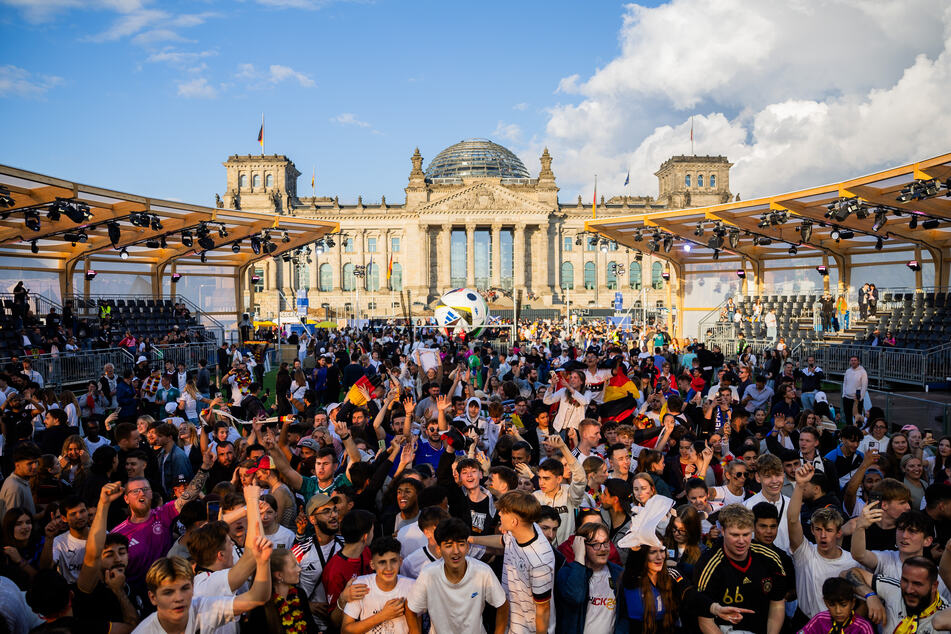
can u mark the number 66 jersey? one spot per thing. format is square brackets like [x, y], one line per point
[751, 584]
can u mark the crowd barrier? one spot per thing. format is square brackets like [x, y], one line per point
[72, 368]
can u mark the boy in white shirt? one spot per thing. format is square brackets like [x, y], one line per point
[384, 604]
[455, 589]
[429, 518]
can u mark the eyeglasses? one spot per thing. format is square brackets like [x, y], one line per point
[678, 530]
[326, 512]
[138, 491]
[740, 474]
[598, 545]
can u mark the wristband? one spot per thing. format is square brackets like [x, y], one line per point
[345, 439]
[870, 594]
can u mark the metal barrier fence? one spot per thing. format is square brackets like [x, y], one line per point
[39, 305]
[901, 409]
[896, 365]
[76, 367]
[187, 353]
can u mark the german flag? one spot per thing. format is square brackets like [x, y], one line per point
[620, 399]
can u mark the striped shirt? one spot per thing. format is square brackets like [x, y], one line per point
[528, 575]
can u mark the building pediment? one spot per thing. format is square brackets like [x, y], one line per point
[485, 197]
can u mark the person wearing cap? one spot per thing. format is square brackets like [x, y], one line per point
[267, 478]
[313, 553]
[166, 393]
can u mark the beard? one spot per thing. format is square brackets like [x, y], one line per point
[324, 528]
[924, 600]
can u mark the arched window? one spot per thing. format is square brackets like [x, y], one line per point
[269, 180]
[713, 180]
[242, 181]
[611, 274]
[589, 275]
[256, 181]
[699, 180]
[373, 277]
[348, 283]
[657, 279]
[634, 276]
[687, 180]
[302, 276]
[396, 277]
[567, 275]
[326, 279]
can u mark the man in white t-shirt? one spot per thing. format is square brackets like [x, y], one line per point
[819, 561]
[770, 475]
[528, 565]
[382, 606]
[455, 589]
[426, 554]
[70, 547]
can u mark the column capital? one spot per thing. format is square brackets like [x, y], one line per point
[520, 226]
[496, 226]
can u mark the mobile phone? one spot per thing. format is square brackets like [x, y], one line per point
[873, 446]
[214, 508]
[671, 553]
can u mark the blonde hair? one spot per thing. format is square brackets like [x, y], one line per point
[166, 570]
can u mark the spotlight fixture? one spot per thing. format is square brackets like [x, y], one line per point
[845, 234]
[34, 247]
[651, 245]
[124, 253]
[222, 231]
[152, 244]
[740, 273]
[32, 220]
[206, 243]
[913, 223]
[793, 250]
[6, 200]
[715, 242]
[879, 243]
[236, 247]
[881, 217]
[155, 224]
[319, 246]
[604, 246]
[592, 242]
[54, 213]
[734, 238]
[699, 230]
[90, 275]
[805, 231]
[286, 257]
[914, 265]
[716, 254]
[255, 279]
[203, 257]
[638, 236]
[331, 244]
[115, 233]
[763, 241]
[931, 223]
[668, 244]
[764, 222]
[162, 243]
[823, 270]
[666, 276]
[578, 240]
[176, 277]
[270, 247]
[687, 247]
[256, 245]
[75, 236]
[285, 237]
[836, 234]
[187, 240]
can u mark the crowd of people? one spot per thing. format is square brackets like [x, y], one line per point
[597, 480]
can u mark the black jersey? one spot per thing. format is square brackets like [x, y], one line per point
[752, 584]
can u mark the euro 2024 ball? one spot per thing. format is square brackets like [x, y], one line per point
[462, 310]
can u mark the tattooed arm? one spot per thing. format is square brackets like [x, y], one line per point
[862, 581]
[193, 490]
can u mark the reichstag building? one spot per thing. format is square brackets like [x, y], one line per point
[473, 216]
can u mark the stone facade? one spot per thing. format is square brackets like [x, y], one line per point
[510, 234]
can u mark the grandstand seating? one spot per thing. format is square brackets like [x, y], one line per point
[793, 318]
[917, 320]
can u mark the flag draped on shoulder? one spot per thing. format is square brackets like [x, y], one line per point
[620, 399]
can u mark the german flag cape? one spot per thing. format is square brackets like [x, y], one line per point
[620, 399]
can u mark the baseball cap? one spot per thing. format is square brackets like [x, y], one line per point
[180, 480]
[318, 500]
[170, 408]
[821, 397]
[141, 359]
[263, 463]
[309, 443]
[331, 407]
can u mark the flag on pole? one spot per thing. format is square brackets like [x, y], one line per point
[313, 180]
[594, 199]
[627, 179]
[261, 136]
[691, 136]
[389, 268]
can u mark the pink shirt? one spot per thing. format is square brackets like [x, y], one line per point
[822, 623]
[148, 540]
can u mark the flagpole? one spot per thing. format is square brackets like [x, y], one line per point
[594, 200]
[313, 182]
[692, 153]
[262, 134]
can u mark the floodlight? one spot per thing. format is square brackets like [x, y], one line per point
[879, 243]
[793, 250]
[222, 231]
[914, 265]
[255, 279]
[666, 276]
[734, 238]
[206, 243]
[34, 247]
[176, 277]
[913, 223]
[285, 237]
[805, 231]
[699, 230]
[740, 273]
[124, 253]
[256, 245]
[236, 246]
[115, 233]
[668, 244]
[687, 247]
[823, 269]
[716, 254]
[32, 220]
[931, 223]
[90, 275]
[845, 234]
[203, 257]
[881, 217]
[715, 242]
[187, 240]
[156, 224]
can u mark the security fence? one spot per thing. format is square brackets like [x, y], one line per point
[72, 368]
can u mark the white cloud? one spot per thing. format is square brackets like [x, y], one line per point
[175, 57]
[520, 106]
[22, 83]
[37, 11]
[348, 118]
[197, 88]
[794, 93]
[507, 132]
[275, 74]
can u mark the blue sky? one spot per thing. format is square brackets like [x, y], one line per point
[150, 97]
[354, 89]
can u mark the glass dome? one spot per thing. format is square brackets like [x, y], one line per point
[475, 157]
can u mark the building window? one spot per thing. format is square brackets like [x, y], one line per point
[396, 277]
[301, 276]
[371, 245]
[591, 244]
[699, 180]
[395, 245]
[457, 258]
[567, 276]
[657, 272]
[373, 277]
[590, 275]
[256, 181]
[242, 181]
[259, 285]
[371, 305]
[713, 180]
[612, 246]
[325, 281]
[687, 180]
[634, 275]
[348, 245]
[567, 244]
[348, 282]
[269, 180]
[611, 275]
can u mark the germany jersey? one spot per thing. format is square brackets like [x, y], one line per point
[751, 584]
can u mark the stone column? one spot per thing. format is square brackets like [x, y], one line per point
[496, 251]
[313, 269]
[270, 272]
[518, 252]
[420, 274]
[443, 260]
[470, 255]
[540, 261]
[557, 254]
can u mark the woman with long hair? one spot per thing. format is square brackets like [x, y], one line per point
[941, 463]
[22, 544]
[651, 595]
[288, 610]
[47, 485]
[651, 462]
[190, 399]
[75, 460]
[913, 469]
[70, 405]
[898, 448]
[643, 488]
[190, 443]
[682, 538]
[297, 389]
[568, 392]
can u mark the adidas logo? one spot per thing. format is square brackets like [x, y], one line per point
[746, 580]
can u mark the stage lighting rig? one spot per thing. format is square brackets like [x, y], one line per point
[222, 231]
[668, 243]
[881, 217]
[236, 247]
[638, 236]
[6, 200]
[914, 265]
[187, 240]
[805, 231]
[579, 241]
[740, 273]
[823, 270]
[176, 277]
[256, 245]
[90, 275]
[155, 223]
[931, 223]
[793, 250]
[285, 238]
[32, 220]
[699, 230]
[34, 247]
[879, 243]
[124, 253]
[734, 238]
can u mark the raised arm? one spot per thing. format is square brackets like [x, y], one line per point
[850, 493]
[803, 476]
[193, 490]
[89, 574]
[260, 590]
[442, 404]
[870, 514]
[294, 480]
